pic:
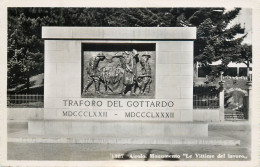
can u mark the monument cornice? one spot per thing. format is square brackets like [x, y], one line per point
[120, 33]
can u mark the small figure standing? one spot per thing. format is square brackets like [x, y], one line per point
[94, 74]
[145, 79]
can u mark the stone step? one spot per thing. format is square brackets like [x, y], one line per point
[117, 128]
[228, 125]
[124, 140]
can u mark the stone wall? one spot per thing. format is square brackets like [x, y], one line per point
[25, 114]
[174, 65]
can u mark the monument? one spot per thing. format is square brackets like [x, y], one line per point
[118, 81]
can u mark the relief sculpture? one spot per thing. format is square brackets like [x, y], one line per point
[118, 74]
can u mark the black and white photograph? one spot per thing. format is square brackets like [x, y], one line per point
[120, 86]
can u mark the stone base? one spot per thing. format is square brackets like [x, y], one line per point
[221, 141]
[117, 128]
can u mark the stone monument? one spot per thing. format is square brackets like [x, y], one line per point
[118, 81]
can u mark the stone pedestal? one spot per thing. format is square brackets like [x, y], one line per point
[221, 101]
[117, 129]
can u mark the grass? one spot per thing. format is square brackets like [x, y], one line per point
[36, 86]
[27, 105]
[229, 83]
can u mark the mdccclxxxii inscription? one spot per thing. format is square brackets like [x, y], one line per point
[104, 114]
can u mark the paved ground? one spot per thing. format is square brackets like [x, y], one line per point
[81, 152]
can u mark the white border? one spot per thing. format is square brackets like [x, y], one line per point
[255, 4]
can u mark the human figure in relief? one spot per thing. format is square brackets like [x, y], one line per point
[145, 79]
[128, 61]
[94, 74]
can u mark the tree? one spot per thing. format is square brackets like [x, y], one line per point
[25, 46]
[215, 41]
[25, 52]
[245, 56]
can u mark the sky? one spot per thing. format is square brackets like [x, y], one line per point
[245, 19]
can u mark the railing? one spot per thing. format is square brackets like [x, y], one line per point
[25, 100]
[205, 101]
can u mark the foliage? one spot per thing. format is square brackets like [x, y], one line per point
[245, 56]
[215, 41]
[205, 90]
